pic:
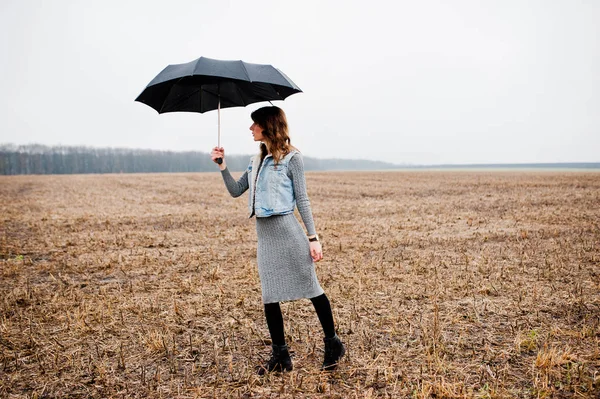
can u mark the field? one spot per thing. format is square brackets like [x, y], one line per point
[443, 285]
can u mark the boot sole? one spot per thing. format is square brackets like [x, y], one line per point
[262, 371]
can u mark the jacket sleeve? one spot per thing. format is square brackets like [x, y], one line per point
[296, 173]
[235, 188]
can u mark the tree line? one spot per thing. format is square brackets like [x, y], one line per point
[43, 160]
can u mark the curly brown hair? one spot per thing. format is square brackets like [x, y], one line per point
[275, 131]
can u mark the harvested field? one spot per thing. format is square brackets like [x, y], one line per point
[443, 285]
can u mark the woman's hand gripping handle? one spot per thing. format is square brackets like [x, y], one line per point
[218, 156]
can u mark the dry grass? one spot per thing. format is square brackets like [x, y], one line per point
[444, 285]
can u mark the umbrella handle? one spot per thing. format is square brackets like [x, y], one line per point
[219, 161]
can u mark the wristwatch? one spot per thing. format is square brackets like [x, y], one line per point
[314, 239]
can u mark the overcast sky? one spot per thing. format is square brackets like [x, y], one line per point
[417, 82]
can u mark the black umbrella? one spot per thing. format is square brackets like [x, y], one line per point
[206, 84]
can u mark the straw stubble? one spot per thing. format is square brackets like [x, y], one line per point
[443, 284]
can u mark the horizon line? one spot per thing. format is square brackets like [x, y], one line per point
[401, 165]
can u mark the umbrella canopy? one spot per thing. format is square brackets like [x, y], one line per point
[206, 84]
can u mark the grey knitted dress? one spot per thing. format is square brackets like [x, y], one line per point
[285, 266]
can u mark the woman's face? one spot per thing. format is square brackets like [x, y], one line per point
[257, 132]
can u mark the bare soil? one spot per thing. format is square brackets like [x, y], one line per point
[443, 285]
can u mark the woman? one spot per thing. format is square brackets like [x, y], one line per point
[285, 254]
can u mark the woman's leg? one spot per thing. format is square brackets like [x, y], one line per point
[280, 357]
[334, 348]
[275, 323]
[323, 309]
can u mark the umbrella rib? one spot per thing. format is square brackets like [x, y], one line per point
[245, 70]
[171, 89]
[241, 93]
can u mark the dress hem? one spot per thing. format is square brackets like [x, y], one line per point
[295, 298]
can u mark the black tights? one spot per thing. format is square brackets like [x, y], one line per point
[275, 319]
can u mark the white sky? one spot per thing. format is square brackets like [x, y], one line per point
[419, 82]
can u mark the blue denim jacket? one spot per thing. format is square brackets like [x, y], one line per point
[274, 189]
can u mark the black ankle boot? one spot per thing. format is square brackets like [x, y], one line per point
[334, 350]
[280, 361]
